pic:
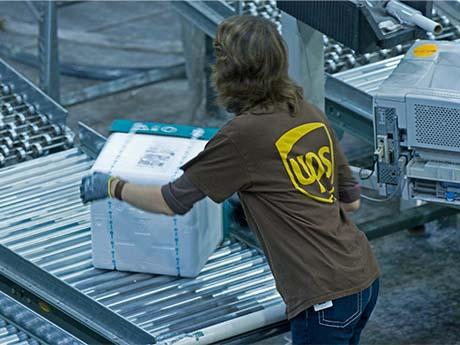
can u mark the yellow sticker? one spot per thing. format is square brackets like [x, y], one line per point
[425, 50]
[44, 306]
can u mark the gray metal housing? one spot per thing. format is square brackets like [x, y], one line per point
[417, 115]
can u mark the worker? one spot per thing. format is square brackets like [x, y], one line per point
[283, 159]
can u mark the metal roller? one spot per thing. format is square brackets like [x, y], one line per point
[38, 119]
[12, 103]
[36, 149]
[9, 133]
[345, 62]
[10, 109]
[261, 8]
[20, 325]
[52, 130]
[6, 160]
[332, 56]
[31, 127]
[15, 98]
[4, 98]
[4, 150]
[6, 140]
[6, 88]
[27, 112]
[67, 138]
[444, 20]
[7, 118]
[44, 221]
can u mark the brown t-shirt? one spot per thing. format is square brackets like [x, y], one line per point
[290, 174]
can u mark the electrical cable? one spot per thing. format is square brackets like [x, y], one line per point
[399, 187]
[360, 173]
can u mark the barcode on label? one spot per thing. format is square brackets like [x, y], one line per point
[155, 157]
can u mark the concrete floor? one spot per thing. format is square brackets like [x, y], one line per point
[126, 24]
[420, 294]
[419, 302]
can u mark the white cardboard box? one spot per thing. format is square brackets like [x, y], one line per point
[128, 239]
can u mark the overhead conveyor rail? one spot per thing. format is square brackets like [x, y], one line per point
[348, 94]
[348, 108]
[45, 224]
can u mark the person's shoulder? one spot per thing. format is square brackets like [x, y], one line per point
[311, 109]
[227, 129]
[238, 130]
[237, 125]
[227, 133]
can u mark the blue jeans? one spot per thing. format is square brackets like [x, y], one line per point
[340, 324]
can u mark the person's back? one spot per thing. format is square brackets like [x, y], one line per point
[292, 175]
[294, 183]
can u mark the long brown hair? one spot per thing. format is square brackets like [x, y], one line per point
[252, 66]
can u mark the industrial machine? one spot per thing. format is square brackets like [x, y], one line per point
[417, 121]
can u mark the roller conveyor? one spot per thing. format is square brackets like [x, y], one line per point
[20, 325]
[43, 220]
[31, 123]
[368, 78]
[9, 334]
[339, 58]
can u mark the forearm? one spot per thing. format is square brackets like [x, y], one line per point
[350, 195]
[147, 198]
[351, 206]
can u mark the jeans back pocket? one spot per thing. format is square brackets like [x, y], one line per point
[344, 311]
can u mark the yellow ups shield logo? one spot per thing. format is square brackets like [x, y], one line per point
[311, 173]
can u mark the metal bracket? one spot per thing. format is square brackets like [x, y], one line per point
[91, 142]
[76, 313]
[349, 108]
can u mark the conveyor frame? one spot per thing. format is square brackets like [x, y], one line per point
[76, 313]
[27, 292]
[349, 108]
[22, 322]
[236, 286]
[250, 294]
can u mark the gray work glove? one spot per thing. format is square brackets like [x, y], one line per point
[94, 187]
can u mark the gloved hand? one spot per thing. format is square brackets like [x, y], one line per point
[95, 187]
